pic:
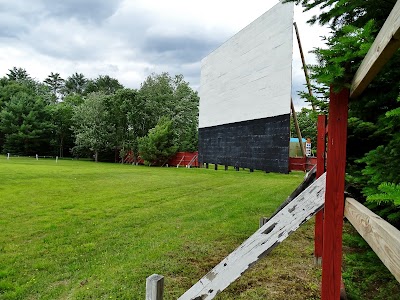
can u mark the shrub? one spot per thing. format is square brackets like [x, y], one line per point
[158, 145]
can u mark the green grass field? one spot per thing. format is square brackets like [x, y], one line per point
[81, 230]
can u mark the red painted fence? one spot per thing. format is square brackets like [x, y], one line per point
[184, 158]
[302, 163]
[180, 158]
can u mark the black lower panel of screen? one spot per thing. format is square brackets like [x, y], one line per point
[261, 144]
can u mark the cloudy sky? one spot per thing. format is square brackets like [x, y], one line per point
[130, 39]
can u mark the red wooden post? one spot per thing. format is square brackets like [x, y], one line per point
[334, 195]
[321, 142]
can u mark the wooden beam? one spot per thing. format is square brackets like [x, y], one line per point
[334, 197]
[319, 217]
[304, 65]
[383, 238]
[260, 243]
[385, 45]
[296, 125]
[321, 144]
[154, 287]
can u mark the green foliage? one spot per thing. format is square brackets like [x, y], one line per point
[307, 120]
[24, 119]
[158, 146]
[379, 164]
[364, 274]
[172, 97]
[61, 117]
[373, 145]
[91, 125]
[104, 84]
[390, 194]
[337, 13]
[18, 74]
[122, 106]
[54, 115]
[75, 84]
[339, 62]
[354, 25]
[387, 201]
[56, 84]
[319, 98]
[73, 99]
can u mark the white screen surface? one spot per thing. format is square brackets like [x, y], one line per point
[250, 76]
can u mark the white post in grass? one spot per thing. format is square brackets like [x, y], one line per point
[8, 155]
[154, 287]
[56, 159]
[37, 157]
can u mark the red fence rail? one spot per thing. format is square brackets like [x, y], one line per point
[180, 158]
[302, 163]
[183, 159]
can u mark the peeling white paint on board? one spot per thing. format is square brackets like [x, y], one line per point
[250, 75]
[277, 229]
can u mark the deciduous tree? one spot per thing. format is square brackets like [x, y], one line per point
[91, 124]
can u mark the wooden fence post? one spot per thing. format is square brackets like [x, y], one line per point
[334, 195]
[319, 218]
[154, 287]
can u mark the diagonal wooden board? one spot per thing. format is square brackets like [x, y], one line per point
[277, 229]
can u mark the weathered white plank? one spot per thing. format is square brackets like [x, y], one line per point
[278, 228]
[383, 238]
[385, 45]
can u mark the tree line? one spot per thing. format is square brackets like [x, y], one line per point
[98, 117]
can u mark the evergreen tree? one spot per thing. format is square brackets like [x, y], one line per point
[18, 74]
[75, 84]
[25, 124]
[56, 84]
[373, 136]
[158, 146]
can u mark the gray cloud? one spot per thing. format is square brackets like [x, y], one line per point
[87, 10]
[12, 26]
[122, 38]
[69, 41]
[179, 49]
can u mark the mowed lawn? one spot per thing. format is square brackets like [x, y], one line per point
[85, 230]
